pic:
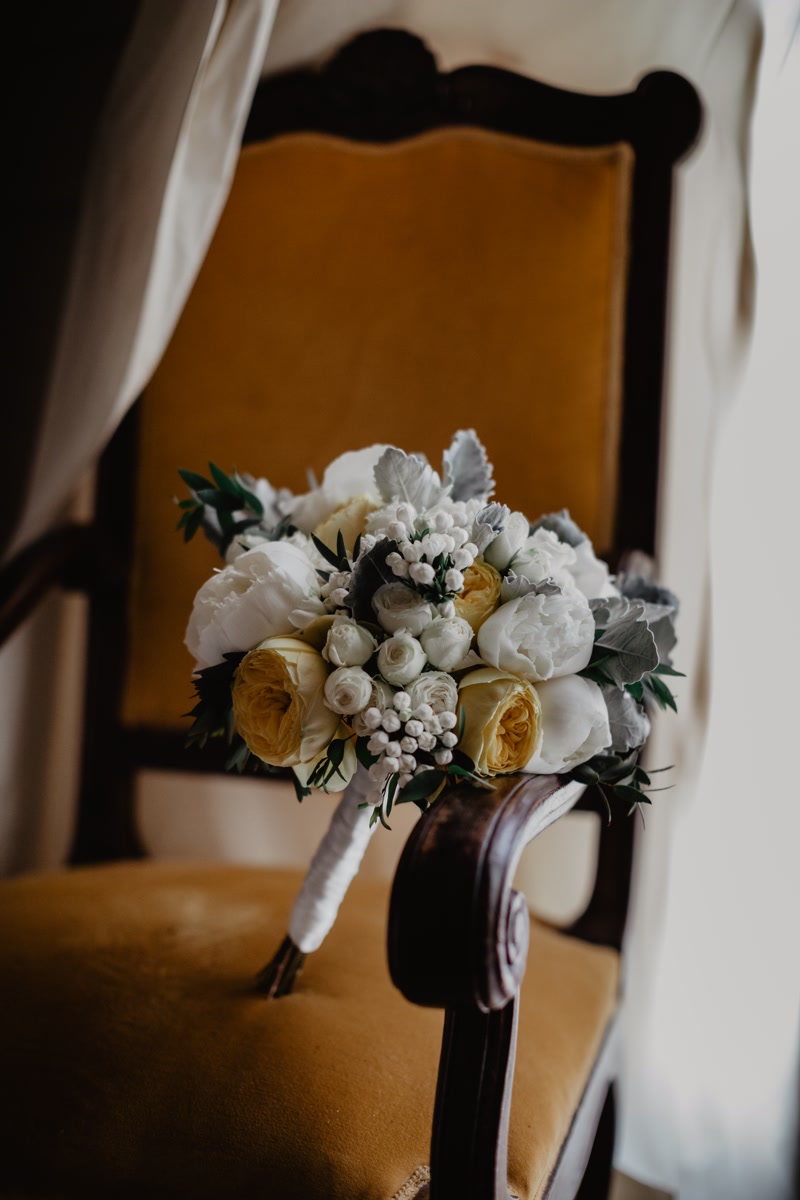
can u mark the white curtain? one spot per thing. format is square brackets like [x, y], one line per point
[161, 167]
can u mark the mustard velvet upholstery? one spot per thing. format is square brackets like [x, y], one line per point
[136, 1061]
[355, 293]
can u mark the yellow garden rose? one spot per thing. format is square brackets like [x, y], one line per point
[502, 721]
[481, 594]
[278, 702]
[349, 519]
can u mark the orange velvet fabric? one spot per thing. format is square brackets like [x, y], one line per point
[355, 294]
[137, 1061]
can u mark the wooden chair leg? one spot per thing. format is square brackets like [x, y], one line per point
[596, 1182]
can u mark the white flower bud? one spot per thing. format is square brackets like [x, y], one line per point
[378, 742]
[461, 560]
[411, 551]
[372, 718]
[406, 513]
[433, 725]
[453, 580]
[401, 700]
[398, 531]
[441, 520]
[448, 720]
[392, 765]
[447, 609]
[408, 763]
[449, 740]
[390, 721]
[460, 536]
[443, 757]
[422, 573]
[338, 597]
[400, 569]
[409, 745]
[472, 549]
[414, 728]
[424, 712]
[405, 777]
[393, 558]
[393, 749]
[426, 740]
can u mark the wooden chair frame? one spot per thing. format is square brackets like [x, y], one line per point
[469, 960]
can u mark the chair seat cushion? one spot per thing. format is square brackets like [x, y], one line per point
[137, 1060]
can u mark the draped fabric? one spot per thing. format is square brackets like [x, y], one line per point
[710, 1079]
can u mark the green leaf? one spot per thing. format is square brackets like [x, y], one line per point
[420, 787]
[220, 501]
[223, 481]
[665, 669]
[341, 549]
[188, 503]
[636, 690]
[625, 791]
[194, 481]
[193, 524]
[661, 692]
[327, 554]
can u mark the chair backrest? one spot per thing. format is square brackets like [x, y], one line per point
[403, 253]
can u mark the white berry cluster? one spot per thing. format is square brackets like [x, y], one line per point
[432, 550]
[407, 741]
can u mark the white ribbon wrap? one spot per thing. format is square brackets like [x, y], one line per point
[334, 866]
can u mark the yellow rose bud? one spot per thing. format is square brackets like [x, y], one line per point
[481, 594]
[278, 702]
[349, 519]
[502, 721]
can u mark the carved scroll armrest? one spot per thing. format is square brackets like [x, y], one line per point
[458, 939]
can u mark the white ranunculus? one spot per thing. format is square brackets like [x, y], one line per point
[508, 542]
[348, 690]
[348, 644]
[351, 474]
[446, 642]
[591, 574]
[539, 637]
[436, 688]
[270, 591]
[401, 659]
[400, 607]
[544, 556]
[574, 725]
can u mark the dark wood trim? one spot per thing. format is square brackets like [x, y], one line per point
[458, 940]
[67, 557]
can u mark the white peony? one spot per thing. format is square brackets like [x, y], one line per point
[270, 591]
[591, 574]
[248, 539]
[436, 688]
[574, 725]
[348, 690]
[538, 637]
[399, 607]
[401, 658]
[508, 542]
[351, 474]
[348, 644]
[446, 642]
[544, 556]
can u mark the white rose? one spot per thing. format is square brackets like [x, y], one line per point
[544, 556]
[435, 688]
[400, 607]
[401, 658]
[446, 642]
[574, 725]
[348, 690]
[591, 574]
[270, 591]
[348, 644]
[538, 637]
[351, 474]
[508, 542]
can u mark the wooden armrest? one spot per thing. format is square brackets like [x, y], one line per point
[458, 940]
[65, 557]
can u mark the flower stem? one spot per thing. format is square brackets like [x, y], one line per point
[278, 976]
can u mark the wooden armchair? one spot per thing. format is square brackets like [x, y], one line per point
[403, 252]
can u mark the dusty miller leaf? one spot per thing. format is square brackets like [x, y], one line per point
[625, 632]
[627, 719]
[466, 469]
[514, 586]
[562, 525]
[401, 476]
[488, 524]
[369, 573]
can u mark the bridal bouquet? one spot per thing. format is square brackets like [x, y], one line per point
[397, 628]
